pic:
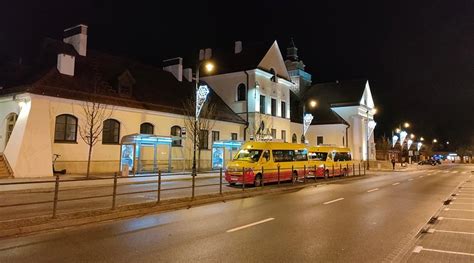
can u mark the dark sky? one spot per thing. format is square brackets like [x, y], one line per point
[418, 55]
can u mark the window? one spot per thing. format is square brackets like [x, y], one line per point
[283, 109]
[65, 129]
[11, 120]
[241, 92]
[283, 135]
[146, 128]
[176, 131]
[274, 133]
[111, 132]
[318, 156]
[233, 136]
[262, 104]
[215, 136]
[274, 77]
[289, 155]
[294, 139]
[203, 139]
[303, 139]
[319, 140]
[274, 107]
[342, 156]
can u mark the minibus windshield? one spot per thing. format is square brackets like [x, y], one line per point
[248, 155]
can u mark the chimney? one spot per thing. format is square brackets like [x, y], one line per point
[175, 66]
[208, 53]
[66, 64]
[238, 47]
[77, 37]
[188, 74]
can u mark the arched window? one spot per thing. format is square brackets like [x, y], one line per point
[176, 131]
[303, 139]
[65, 129]
[294, 139]
[111, 132]
[146, 128]
[241, 92]
[11, 120]
[274, 76]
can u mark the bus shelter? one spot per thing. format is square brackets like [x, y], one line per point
[133, 147]
[223, 151]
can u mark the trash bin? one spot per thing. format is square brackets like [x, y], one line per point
[125, 170]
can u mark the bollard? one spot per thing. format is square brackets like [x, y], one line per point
[332, 170]
[324, 171]
[304, 173]
[340, 170]
[315, 173]
[158, 199]
[353, 169]
[243, 179]
[359, 169]
[193, 184]
[364, 168]
[278, 173]
[261, 183]
[220, 181]
[56, 192]
[114, 192]
[347, 169]
[291, 174]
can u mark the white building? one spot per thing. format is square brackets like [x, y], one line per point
[257, 94]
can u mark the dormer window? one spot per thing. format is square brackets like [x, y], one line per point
[125, 84]
[274, 76]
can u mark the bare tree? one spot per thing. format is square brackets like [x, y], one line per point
[91, 126]
[205, 122]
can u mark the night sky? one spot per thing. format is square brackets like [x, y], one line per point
[418, 55]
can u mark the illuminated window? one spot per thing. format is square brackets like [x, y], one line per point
[65, 129]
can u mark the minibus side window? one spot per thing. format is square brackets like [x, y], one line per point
[283, 155]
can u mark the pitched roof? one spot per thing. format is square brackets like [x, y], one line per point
[323, 114]
[339, 93]
[96, 77]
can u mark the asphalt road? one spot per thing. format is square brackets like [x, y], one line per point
[373, 219]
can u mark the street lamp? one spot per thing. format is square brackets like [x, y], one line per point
[369, 123]
[307, 117]
[422, 139]
[406, 125]
[201, 93]
[435, 140]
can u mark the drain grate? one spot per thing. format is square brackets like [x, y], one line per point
[433, 220]
[447, 202]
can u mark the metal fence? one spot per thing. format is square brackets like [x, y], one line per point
[269, 177]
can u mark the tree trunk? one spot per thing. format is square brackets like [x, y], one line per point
[89, 161]
[199, 160]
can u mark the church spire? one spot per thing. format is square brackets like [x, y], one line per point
[292, 51]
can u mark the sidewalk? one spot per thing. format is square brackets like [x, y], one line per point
[78, 181]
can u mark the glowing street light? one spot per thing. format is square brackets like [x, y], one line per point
[398, 130]
[308, 117]
[313, 103]
[422, 139]
[412, 136]
[435, 140]
[406, 125]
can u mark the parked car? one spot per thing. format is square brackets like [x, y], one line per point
[429, 162]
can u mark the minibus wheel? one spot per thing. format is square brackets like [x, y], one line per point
[326, 174]
[294, 177]
[258, 180]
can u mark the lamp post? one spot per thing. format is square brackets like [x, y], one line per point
[307, 117]
[200, 97]
[373, 111]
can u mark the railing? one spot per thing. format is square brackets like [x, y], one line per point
[267, 177]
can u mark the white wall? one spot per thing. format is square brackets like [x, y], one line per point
[332, 134]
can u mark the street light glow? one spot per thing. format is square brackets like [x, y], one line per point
[374, 111]
[422, 139]
[209, 67]
[435, 140]
[398, 130]
[412, 136]
[406, 125]
[313, 103]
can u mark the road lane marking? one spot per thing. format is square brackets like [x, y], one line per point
[432, 230]
[397, 183]
[411, 179]
[372, 190]
[453, 203]
[249, 225]
[464, 172]
[418, 249]
[333, 201]
[421, 176]
[455, 209]
[463, 198]
[454, 172]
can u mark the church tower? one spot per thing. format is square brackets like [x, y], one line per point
[295, 68]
